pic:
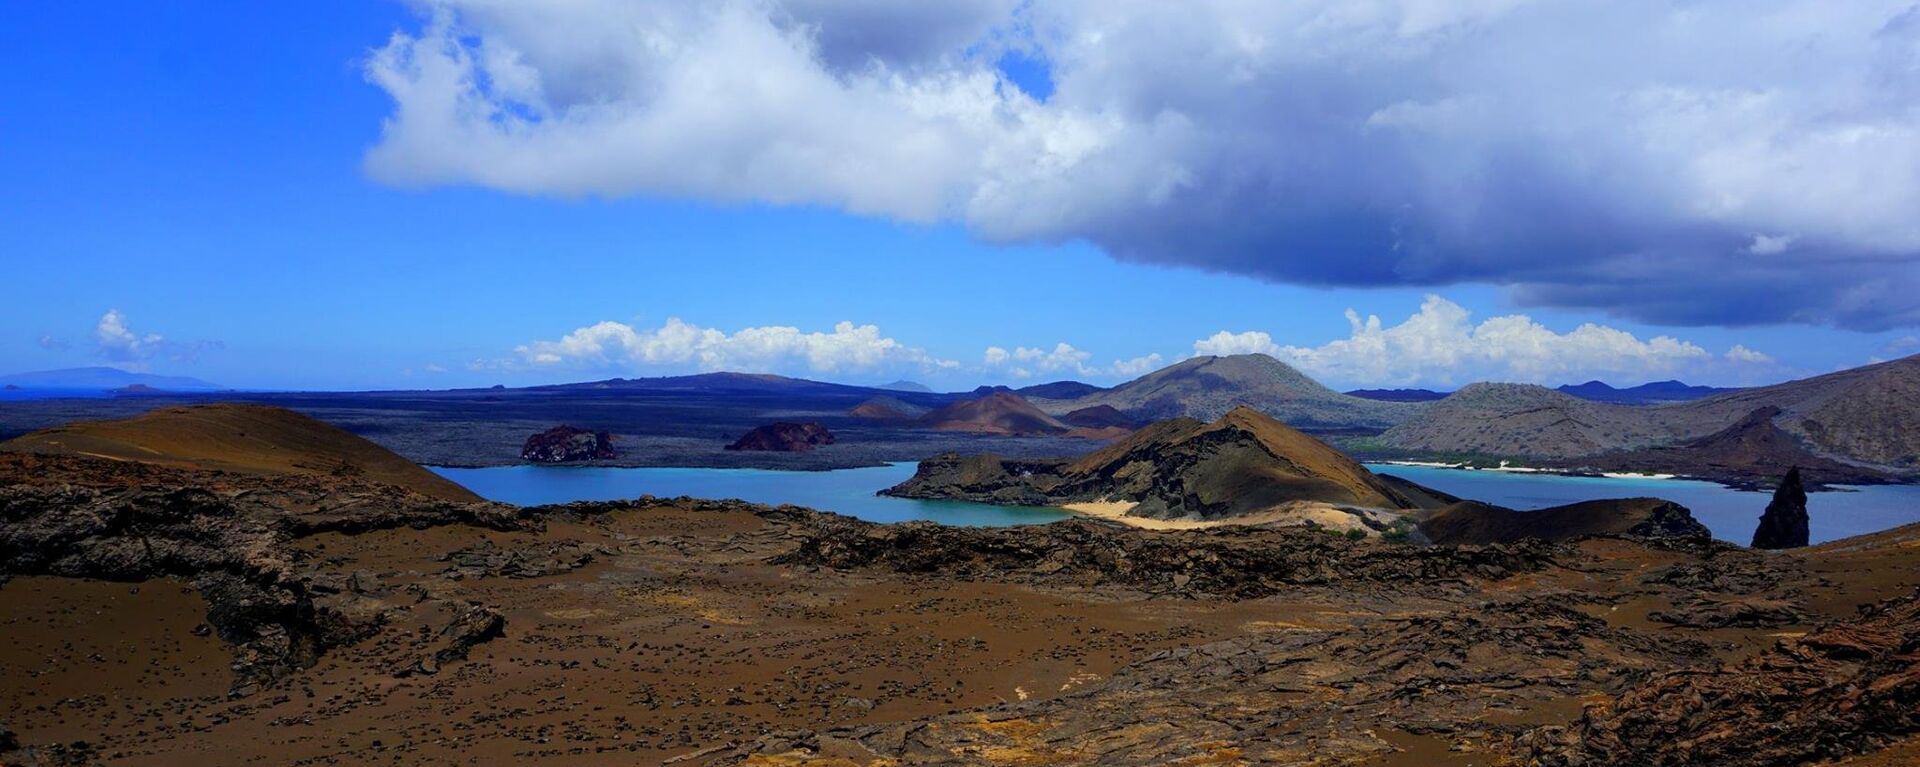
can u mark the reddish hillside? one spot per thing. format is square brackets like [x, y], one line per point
[997, 413]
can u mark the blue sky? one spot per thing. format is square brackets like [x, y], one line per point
[258, 213]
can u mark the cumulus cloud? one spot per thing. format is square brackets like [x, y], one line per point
[1618, 155]
[848, 348]
[114, 340]
[1063, 359]
[1441, 345]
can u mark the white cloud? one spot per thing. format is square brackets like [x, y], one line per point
[1136, 367]
[1764, 245]
[117, 342]
[1620, 155]
[1063, 359]
[849, 348]
[1440, 345]
[1225, 344]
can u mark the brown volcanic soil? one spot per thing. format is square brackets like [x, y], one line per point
[722, 633]
[253, 439]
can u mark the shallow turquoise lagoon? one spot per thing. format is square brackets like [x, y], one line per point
[1731, 514]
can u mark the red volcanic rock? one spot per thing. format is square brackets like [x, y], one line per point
[566, 444]
[784, 437]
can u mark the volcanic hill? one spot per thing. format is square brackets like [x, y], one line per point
[253, 439]
[1245, 466]
[1207, 387]
[1864, 415]
[1502, 419]
[997, 413]
[1751, 451]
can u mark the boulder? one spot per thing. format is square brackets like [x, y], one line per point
[567, 444]
[784, 437]
[1784, 524]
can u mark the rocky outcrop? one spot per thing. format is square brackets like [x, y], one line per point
[784, 437]
[489, 559]
[1241, 564]
[567, 444]
[1704, 612]
[1849, 688]
[1784, 524]
[1471, 522]
[1242, 465]
[1297, 697]
[228, 535]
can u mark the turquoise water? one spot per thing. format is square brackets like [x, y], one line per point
[846, 491]
[1730, 514]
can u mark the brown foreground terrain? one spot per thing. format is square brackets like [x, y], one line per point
[157, 614]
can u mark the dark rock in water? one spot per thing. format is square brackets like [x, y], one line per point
[565, 444]
[784, 437]
[1784, 525]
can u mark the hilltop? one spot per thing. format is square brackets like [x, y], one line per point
[1753, 451]
[1862, 415]
[1244, 466]
[1526, 420]
[248, 439]
[1001, 412]
[1207, 387]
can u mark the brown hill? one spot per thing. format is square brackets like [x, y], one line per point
[1866, 414]
[887, 409]
[1208, 387]
[1502, 419]
[254, 439]
[997, 413]
[1244, 466]
[1753, 450]
[1869, 413]
[1098, 417]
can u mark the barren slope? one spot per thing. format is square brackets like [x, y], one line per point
[245, 438]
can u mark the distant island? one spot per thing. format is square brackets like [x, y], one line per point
[101, 379]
